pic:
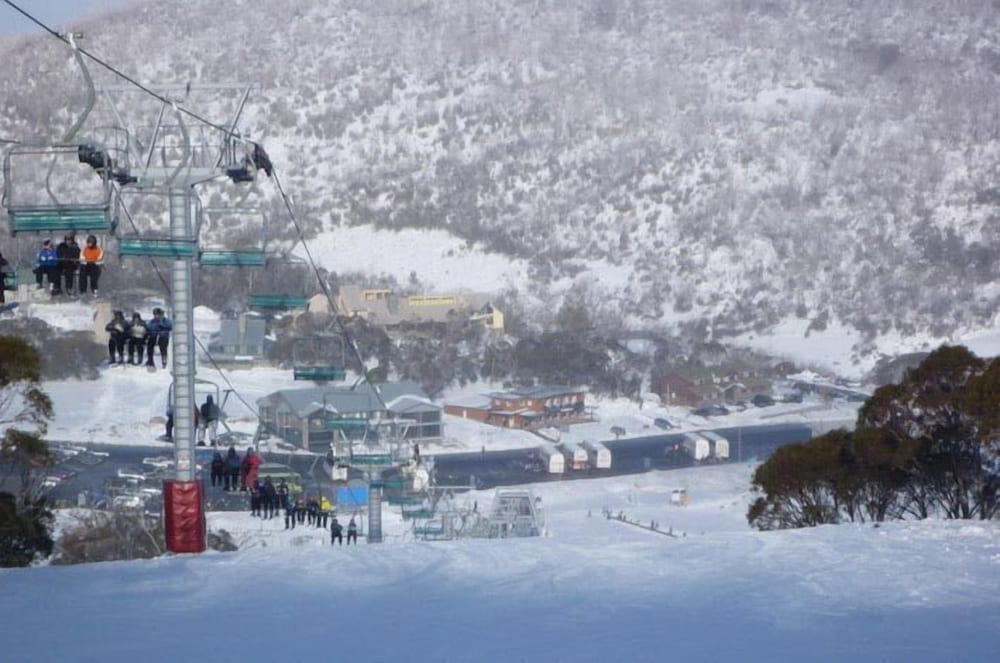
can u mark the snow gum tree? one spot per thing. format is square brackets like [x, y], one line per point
[927, 446]
[25, 521]
[947, 406]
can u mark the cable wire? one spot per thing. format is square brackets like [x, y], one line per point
[228, 133]
[326, 289]
[166, 288]
[117, 72]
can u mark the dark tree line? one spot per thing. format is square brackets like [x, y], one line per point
[927, 446]
[25, 519]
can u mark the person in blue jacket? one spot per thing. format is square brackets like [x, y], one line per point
[47, 266]
[158, 335]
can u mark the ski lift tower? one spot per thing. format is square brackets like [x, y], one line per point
[382, 447]
[173, 154]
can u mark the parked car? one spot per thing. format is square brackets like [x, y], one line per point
[663, 423]
[762, 400]
[711, 411]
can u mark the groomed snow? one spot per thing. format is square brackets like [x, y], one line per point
[591, 590]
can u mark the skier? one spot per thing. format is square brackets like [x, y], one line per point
[170, 423]
[218, 469]
[232, 469]
[249, 468]
[335, 532]
[283, 494]
[209, 421]
[47, 266]
[136, 338]
[322, 512]
[118, 330]
[270, 498]
[352, 532]
[159, 336]
[256, 497]
[289, 513]
[68, 253]
[312, 510]
[90, 269]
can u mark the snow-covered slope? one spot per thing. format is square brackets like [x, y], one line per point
[591, 590]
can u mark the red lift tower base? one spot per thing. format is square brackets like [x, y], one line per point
[184, 516]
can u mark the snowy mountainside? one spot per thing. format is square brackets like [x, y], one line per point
[737, 164]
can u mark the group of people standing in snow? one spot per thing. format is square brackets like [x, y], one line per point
[59, 264]
[138, 338]
[269, 500]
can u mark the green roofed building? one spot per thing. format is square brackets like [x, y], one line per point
[312, 418]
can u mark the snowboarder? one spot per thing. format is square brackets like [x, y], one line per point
[352, 532]
[158, 336]
[90, 269]
[118, 331]
[136, 339]
[336, 532]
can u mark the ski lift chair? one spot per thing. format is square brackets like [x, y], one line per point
[320, 358]
[42, 192]
[153, 243]
[282, 286]
[218, 221]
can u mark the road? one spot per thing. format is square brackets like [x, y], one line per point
[629, 456]
[97, 471]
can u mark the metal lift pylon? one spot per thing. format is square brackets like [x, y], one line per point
[186, 158]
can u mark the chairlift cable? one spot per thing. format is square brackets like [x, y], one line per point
[117, 72]
[325, 288]
[227, 132]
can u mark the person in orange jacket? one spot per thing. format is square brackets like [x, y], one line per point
[91, 261]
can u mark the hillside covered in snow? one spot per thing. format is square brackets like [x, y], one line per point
[718, 167]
